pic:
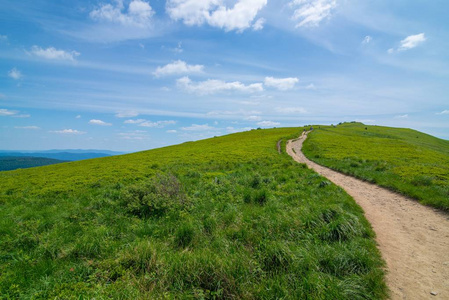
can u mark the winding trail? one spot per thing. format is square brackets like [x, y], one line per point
[413, 239]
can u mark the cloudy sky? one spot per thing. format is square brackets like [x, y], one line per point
[138, 74]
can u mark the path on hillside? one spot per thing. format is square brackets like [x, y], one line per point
[413, 239]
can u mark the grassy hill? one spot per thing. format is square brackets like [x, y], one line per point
[404, 160]
[226, 217]
[8, 163]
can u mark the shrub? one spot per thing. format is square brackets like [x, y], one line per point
[155, 196]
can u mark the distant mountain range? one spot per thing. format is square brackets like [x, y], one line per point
[65, 150]
[21, 159]
[65, 154]
[9, 163]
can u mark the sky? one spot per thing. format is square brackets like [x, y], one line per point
[131, 75]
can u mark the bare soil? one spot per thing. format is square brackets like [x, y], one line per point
[413, 239]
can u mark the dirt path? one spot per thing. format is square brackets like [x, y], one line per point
[413, 239]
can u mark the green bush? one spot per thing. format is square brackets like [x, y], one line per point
[154, 196]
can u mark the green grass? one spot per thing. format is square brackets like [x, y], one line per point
[404, 160]
[222, 218]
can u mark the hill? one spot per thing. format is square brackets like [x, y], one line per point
[227, 217]
[404, 160]
[67, 155]
[8, 163]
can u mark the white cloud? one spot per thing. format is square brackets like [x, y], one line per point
[365, 121]
[27, 127]
[6, 112]
[233, 112]
[215, 12]
[3, 38]
[22, 116]
[138, 121]
[145, 123]
[268, 124]
[253, 118]
[291, 110]
[171, 131]
[310, 87]
[409, 42]
[196, 127]
[234, 130]
[99, 122]
[263, 96]
[412, 41]
[367, 40]
[444, 112]
[78, 117]
[15, 74]
[281, 84]
[310, 13]
[258, 25]
[138, 135]
[401, 116]
[69, 131]
[127, 114]
[252, 103]
[157, 124]
[216, 86]
[178, 67]
[139, 13]
[54, 54]
[178, 49]
[12, 113]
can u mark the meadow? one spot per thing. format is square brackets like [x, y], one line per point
[223, 218]
[404, 160]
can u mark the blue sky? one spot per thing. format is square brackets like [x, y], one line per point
[132, 75]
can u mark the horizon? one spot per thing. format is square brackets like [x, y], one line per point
[135, 75]
[24, 151]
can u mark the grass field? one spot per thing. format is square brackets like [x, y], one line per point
[223, 218]
[404, 160]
